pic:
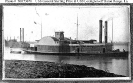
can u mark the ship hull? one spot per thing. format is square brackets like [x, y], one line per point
[79, 54]
[16, 50]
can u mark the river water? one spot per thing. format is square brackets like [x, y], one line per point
[117, 65]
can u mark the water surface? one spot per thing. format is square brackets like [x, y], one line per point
[117, 65]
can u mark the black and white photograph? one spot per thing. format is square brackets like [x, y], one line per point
[66, 41]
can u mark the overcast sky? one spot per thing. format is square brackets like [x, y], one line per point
[64, 18]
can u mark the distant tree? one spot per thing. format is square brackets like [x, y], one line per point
[6, 43]
[13, 40]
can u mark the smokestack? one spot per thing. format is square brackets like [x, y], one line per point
[106, 33]
[100, 31]
[23, 34]
[20, 34]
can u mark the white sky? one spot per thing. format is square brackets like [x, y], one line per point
[63, 18]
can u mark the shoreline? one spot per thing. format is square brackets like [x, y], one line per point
[44, 69]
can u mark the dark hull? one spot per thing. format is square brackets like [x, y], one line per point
[123, 54]
[16, 52]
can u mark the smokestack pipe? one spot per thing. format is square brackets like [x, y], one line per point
[23, 34]
[100, 31]
[20, 34]
[106, 33]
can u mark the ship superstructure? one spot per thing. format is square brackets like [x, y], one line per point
[61, 44]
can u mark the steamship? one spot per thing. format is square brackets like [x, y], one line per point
[60, 45]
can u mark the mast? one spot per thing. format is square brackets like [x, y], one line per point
[77, 26]
[112, 30]
[41, 21]
[41, 29]
[112, 35]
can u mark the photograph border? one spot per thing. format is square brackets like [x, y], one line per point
[67, 4]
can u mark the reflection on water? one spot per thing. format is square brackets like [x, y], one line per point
[117, 65]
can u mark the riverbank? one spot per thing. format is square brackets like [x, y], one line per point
[43, 69]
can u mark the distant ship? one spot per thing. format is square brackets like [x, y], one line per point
[15, 46]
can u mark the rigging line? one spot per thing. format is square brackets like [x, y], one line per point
[37, 12]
